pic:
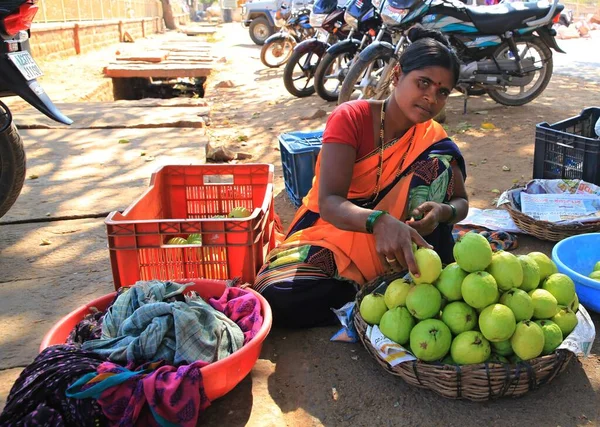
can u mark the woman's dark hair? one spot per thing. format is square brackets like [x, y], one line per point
[428, 48]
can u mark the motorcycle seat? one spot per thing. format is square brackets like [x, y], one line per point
[499, 18]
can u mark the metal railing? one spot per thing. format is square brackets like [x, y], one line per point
[96, 10]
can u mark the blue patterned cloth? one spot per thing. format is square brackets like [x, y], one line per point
[150, 322]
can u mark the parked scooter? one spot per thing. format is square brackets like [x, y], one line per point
[504, 49]
[295, 27]
[328, 18]
[364, 19]
[18, 76]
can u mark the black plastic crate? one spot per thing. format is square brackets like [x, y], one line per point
[568, 149]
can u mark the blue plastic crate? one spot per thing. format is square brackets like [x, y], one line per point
[299, 151]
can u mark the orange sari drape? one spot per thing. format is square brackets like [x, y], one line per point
[354, 252]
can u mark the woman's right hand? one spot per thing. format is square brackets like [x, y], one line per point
[393, 240]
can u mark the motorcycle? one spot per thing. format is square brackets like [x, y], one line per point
[18, 76]
[328, 19]
[504, 49]
[295, 27]
[364, 19]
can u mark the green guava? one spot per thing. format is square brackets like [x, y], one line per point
[597, 266]
[498, 358]
[450, 281]
[553, 336]
[430, 266]
[503, 348]
[372, 308]
[595, 275]
[561, 286]
[497, 322]
[566, 320]
[544, 304]
[395, 293]
[396, 324]
[506, 269]
[574, 305]
[430, 340]
[519, 302]
[472, 252]
[459, 317]
[528, 340]
[424, 301]
[479, 289]
[546, 265]
[470, 347]
[531, 273]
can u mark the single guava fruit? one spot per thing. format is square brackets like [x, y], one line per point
[595, 275]
[544, 304]
[597, 266]
[506, 269]
[479, 289]
[519, 302]
[503, 348]
[470, 347]
[424, 301]
[395, 293]
[472, 252]
[194, 239]
[498, 358]
[566, 320]
[430, 266]
[450, 281]
[546, 265]
[553, 336]
[459, 317]
[430, 340]
[561, 286]
[531, 273]
[514, 359]
[396, 324]
[177, 241]
[372, 308]
[574, 305]
[528, 340]
[497, 322]
[239, 212]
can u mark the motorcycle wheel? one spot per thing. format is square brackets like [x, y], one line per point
[518, 95]
[332, 69]
[300, 69]
[367, 85]
[276, 53]
[12, 161]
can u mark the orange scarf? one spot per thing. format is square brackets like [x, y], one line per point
[355, 255]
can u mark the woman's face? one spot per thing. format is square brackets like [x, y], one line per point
[421, 94]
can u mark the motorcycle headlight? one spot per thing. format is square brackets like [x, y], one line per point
[351, 20]
[316, 19]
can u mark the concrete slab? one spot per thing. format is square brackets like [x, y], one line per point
[163, 70]
[43, 278]
[88, 171]
[98, 115]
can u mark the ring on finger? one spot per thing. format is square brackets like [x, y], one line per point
[391, 261]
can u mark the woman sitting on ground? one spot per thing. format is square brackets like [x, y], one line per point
[387, 176]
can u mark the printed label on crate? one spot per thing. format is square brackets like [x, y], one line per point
[392, 352]
[580, 340]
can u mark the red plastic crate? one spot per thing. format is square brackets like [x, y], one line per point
[182, 200]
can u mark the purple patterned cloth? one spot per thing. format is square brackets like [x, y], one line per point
[154, 394]
[37, 398]
[243, 308]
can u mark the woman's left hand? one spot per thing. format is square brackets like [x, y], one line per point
[431, 213]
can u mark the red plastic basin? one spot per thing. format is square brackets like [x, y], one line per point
[219, 377]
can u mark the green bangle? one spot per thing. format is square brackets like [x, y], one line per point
[453, 210]
[371, 220]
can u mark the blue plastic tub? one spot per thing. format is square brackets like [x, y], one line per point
[299, 151]
[575, 256]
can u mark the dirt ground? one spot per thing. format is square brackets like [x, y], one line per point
[293, 380]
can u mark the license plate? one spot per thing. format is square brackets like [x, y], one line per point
[25, 64]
